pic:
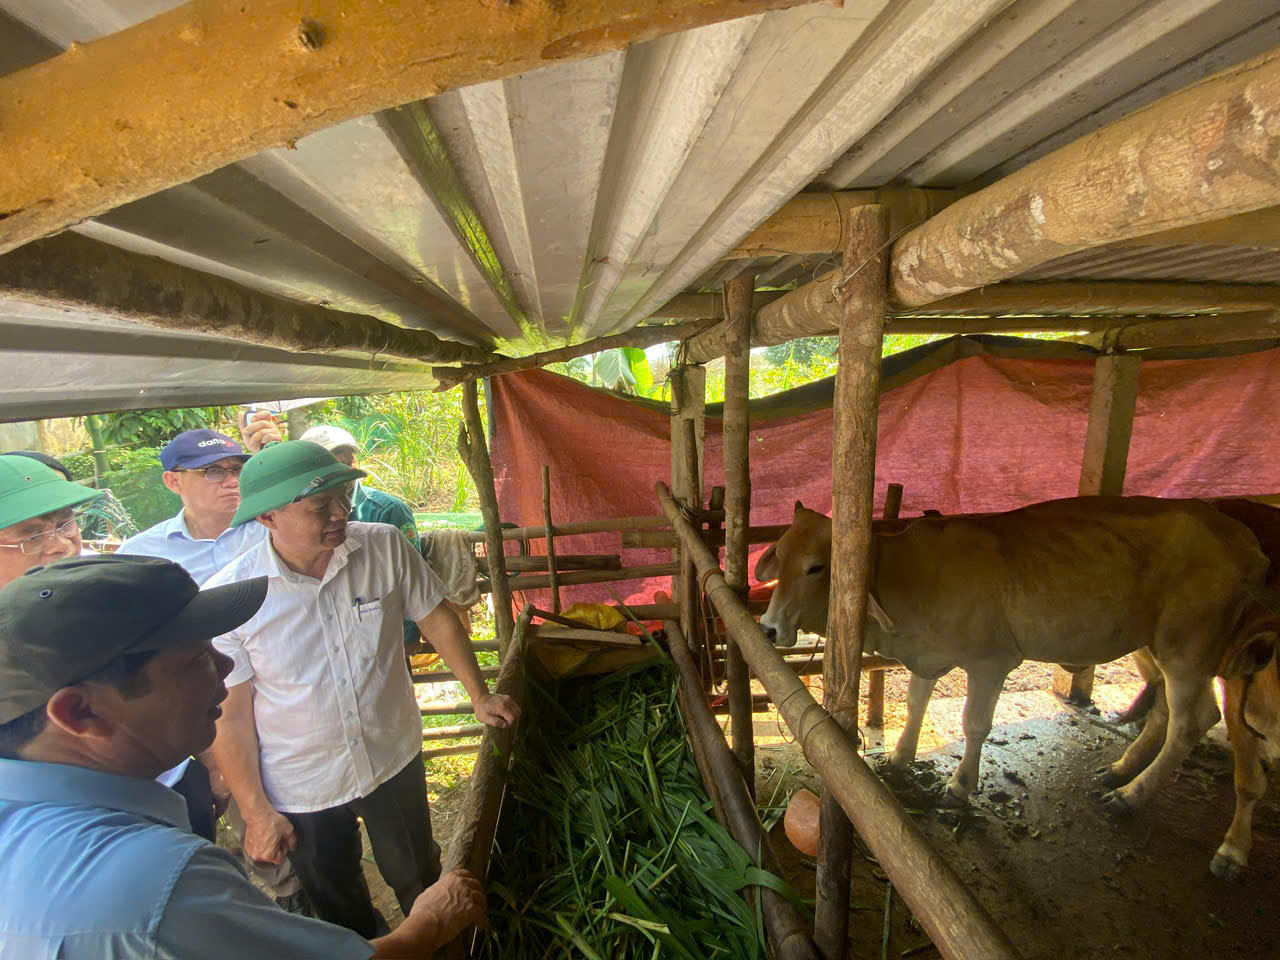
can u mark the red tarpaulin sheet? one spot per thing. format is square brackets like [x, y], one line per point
[982, 428]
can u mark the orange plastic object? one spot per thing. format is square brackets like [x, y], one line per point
[801, 822]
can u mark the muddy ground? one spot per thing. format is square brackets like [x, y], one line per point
[1056, 874]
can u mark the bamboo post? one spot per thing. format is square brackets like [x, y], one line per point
[688, 431]
[552, 572]
[737, 505]
[715, 506]
[863, 292]
[478, 820]
[788, 930]
[99, 448]
[475, 453]
[956, 922]
[875, 679]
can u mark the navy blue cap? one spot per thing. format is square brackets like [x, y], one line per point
[193, 449]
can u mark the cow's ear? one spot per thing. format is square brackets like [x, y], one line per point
[799, 506]
[767, 565]
[876, 613]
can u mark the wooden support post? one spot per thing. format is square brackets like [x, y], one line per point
[715, 506]
[875, 679]
[951, 916]
[688, 430]
[863, 293]
[552, 572]
[477, 821]
[737, 505]
[788, 931]
[1106, 455]
[475, 454]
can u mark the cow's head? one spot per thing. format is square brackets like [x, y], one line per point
[801, 563]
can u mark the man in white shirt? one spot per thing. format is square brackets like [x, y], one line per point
[321, 725]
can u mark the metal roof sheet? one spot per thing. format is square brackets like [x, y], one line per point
[575, 200]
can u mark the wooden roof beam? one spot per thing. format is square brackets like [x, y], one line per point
[1261, 228]
[1143, 333]
[71, 272]
[816, 223]
[1206, 152]
[813, 310]
[214, 81]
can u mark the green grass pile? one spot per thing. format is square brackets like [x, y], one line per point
[608, 847]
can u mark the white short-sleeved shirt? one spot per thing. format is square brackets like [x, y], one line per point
[332, 698]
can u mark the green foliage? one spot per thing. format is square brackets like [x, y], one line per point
[155, 428]
[408, 445]
[79, 464]
[803, 352]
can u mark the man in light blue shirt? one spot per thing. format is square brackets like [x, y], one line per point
[107, 677]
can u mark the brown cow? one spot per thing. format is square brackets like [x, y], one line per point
[1251, 688]
[1076, 582]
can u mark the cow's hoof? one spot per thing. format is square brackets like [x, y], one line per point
[1224, 868]
[1115, 806]
[1109, 778]
[953, 800]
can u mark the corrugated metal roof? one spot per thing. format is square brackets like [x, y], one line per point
[575, 200]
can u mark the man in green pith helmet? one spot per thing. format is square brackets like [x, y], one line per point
[37, 515]
[321, 725]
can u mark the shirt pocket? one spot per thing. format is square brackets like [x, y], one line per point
[367, 618]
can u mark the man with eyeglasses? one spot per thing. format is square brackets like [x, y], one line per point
[37, 516]
[320, 725]
[203, 468]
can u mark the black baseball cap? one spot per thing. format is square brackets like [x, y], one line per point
[193, 449]
[62, 623]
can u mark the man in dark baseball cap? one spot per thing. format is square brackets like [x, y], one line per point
[107, 677]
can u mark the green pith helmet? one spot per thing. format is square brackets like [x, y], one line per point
[30, 489]
[284, 472]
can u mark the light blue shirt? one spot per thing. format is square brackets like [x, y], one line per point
[172, 540]
[98, 866]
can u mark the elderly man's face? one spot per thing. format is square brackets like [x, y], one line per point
[317, 523]
[36, 542]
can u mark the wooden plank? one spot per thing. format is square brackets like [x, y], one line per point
[214, 81]
[736, 431]
[647, 336]
[607, 638]
[863, 297]
[950, 914]
[1219, 150]
[1102, 469]
[477, 819]
[475, 454]
[74, 273]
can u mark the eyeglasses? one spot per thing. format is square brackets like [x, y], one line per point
[35, 545]
[215, 474]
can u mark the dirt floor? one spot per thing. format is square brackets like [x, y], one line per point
[1056, 874]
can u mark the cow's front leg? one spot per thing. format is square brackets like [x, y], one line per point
[1251, 783]
[919, 690]
[979, 708]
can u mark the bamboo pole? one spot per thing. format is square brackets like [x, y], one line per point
[688, 430]
[477, 821]
[862, 292]
[737, 505]
[713, 536]
[475, 453]
[788, 931]
[449, 377]
[452, 751]
[875, 679]
[448, 676]
[564, 562]
[578, 577]
[955, 921]
[100, 465]
[582, 526]
[552, 572]
[456, 732]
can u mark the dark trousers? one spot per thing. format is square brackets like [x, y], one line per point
[327, 857]
[195, 789]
